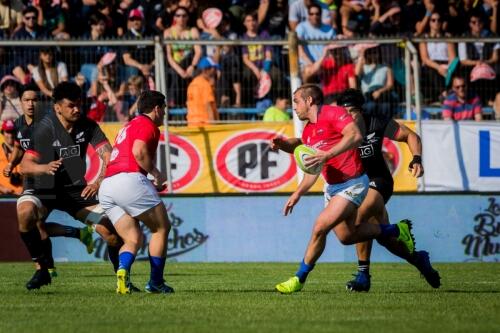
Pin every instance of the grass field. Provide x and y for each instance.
(237, 297)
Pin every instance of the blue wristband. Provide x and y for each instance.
(267, 65)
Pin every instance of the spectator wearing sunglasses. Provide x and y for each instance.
(462, 104)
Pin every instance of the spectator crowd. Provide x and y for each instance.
(255, 75)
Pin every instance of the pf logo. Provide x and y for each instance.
(392, 155)
(185, 160)
(245, 162)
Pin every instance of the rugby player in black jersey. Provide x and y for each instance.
(23, 128)
(56, 159)
(372, 209)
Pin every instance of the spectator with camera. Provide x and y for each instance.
(11, 184)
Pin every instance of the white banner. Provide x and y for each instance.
(461, 156)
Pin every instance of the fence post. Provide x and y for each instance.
(295, 82)
(408, 81)
(161, 86)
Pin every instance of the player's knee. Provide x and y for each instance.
(346, 238)
(26, 217)
(319, 231)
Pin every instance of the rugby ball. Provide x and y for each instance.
(300, 153)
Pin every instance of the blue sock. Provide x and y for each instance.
(126, 261)
(157, 266)
(304, 270)
(389, 230)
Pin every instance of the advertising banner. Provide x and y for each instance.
(461, 156)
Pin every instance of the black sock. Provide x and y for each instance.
(364, 266)
(47, 252)
(34, 245)
(59, 230)
(113, 254)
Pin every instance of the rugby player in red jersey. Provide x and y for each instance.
(334, 134)
(128, 197)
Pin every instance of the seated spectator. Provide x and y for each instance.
(436, 57)
(10, 103)
(135, 85)
(312, 29)
(103, 97)
(201, 101)
(357, 10)
(166, 17)
(11, 17)
(424, 16)
(138, 59)
(377, 82)
(473, 54)
(298, 12)
(386, 18)
(13, 184)
(51, 18)
(411, 12)
(462, 104)
(336, 72)
(27, 56)
(116, 22)
(182, 58)
(272, 17)
(277, 112)
(49, 73)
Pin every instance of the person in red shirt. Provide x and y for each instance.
(127, 196)
(335, 136)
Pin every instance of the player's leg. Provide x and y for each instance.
(84, 235)
(156, 219)
(30, 210)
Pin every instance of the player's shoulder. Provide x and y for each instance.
(335, 112)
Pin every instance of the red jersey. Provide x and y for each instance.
(335, 79)
(326, 133)
(122, 160)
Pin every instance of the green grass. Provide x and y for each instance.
(239, 297)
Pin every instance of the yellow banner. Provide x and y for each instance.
(235, 158)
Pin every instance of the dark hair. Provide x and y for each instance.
(30, 9)
(351, 97)
(311, 90)
(28, 87)
(66, 90)
(314, 5)
(148, 100)
(96, 18)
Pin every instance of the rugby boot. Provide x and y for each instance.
(290, 286)
(405, 235)
(162, 288)
(133, 288)
(122, 282)
(361, 282)
(423, 264)
(86, 238)
(53, 272)
(39, 279)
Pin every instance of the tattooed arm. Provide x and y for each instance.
(104, 152)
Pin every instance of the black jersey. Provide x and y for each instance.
(51, 141)
(24, 132)
(371, 149)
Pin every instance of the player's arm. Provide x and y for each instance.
(351, 138)
(15, 159)
(401, 133)
(287, 145)
(30, 165)
(146, 162)
(305, 185)
(104, 152)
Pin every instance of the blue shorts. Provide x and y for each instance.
(354, 190)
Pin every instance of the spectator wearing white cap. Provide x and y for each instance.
(10, 104)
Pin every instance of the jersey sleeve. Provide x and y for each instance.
(41, 143)
(145, 133)
(98, 137)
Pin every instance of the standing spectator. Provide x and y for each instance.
(201, 106)
(11, 17)
(312, 29)
(49, 73)
(13, 183)
(462, 104)
(182, 58)
(377, 82)
(27, 56)
(436, 58)
(277, 112)
(298, 12)
(474, 54)
(10, 103)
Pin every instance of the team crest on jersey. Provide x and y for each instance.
(371, 138)
(56, 144)
(25, 143)
(69, 151)
(80, 137)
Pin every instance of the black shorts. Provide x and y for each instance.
(384, 186)
(68, 200)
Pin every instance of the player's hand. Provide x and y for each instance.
(276, 143)
(52, 167)
(159, 182)
(292, 201)
(417, 170)
(89, 191)
(320, 157)
(7, 170)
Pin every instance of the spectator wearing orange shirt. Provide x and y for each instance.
(13, 183)
(201, 106)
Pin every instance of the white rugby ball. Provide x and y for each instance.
(300, 153)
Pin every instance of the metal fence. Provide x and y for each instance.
(111, 81)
